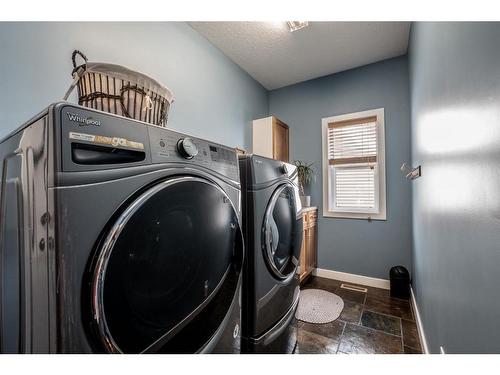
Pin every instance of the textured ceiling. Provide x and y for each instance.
(276, 57)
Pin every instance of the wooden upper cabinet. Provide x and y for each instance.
(280, 140)
(270, 138)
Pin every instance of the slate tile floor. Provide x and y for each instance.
(371, 322)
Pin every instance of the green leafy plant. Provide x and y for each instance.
(305, 174)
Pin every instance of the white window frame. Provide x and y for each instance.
(379, 212)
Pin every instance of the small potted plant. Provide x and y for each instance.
(306, 175)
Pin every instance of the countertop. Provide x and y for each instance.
(307, 209)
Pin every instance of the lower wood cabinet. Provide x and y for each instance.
(309, 250)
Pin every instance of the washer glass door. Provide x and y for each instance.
(282, 232)
(173, 251)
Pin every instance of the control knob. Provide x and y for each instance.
(283, 169)
(187, 148)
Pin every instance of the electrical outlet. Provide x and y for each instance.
(441, 350)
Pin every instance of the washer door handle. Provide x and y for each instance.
(273, 235)
(269, 240)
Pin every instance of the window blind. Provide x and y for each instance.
(352, 154)
(354, 187)
(353, 141)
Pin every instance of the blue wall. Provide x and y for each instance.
(215, 98)
(455, 124)
(349, 245)
(455, 135)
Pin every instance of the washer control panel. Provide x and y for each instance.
(169, 146)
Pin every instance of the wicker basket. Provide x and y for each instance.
(119, 90)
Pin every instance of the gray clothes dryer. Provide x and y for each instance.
(272, 226)
(117, 236)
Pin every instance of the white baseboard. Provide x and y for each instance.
(352, 278)
(420, 327)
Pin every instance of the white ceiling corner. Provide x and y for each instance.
(275, 57)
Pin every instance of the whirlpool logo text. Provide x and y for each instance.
(83, 121)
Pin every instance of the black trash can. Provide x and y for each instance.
(400, 282)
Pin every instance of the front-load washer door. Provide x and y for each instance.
(167, 271)
(282, 232)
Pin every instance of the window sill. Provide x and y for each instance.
(352, 215)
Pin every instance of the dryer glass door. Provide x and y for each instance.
(173, 253)
(282, 232)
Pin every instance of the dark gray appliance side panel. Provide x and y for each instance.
(26, 152)
(83, 212)
(11, 257)
(52, 150)
(33, 147)
(12, 165)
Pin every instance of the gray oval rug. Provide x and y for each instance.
(318, 306)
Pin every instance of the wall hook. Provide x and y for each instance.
(411, 173)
